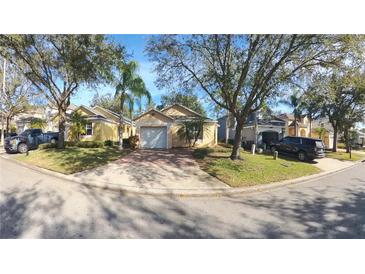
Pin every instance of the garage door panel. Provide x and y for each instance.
(153, 137)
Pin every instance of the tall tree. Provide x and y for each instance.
(58, 65)
(38, 123)
(188, 100)
(129, 86)
(107, 101)
(16, 94)
(295, 102)
(311, 107)
(78, 126)
(342, 97)
(239, 72)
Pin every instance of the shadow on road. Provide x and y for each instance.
(36, 212)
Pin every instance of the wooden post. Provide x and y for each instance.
(253, 148)
(276, 154)
(350, 151)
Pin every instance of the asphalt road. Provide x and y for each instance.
(34, 205)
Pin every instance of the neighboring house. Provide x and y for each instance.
(303, 126)
(159, 129)
(327, 135)
(258, 129)
(271, 128)
(360, 138)
(47, 113)
(102, 124)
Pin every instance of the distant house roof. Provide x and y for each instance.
(114, 114)
(94, 113)
(269, 120)
(298, 124)
(177, 118)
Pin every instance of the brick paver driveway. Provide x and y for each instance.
(174, 168)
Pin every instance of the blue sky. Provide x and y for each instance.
(135, 45)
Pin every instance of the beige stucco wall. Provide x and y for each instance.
(209, 136)
(103, 131)
(178, 111)
(152, 119)
(327, 138)
(155, 119)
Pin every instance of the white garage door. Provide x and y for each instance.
(153, 137)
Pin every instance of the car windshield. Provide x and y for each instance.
(25, 133)
(319, 144)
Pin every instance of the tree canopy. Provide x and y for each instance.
(341, 96)
(189, 100)
(17, 95)
(107, 101)
(129, 88)
(58, 65)
(240, 72)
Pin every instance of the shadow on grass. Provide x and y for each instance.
(74, 159)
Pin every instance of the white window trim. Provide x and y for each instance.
(92, 130)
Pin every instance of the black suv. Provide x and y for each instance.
(301, 147)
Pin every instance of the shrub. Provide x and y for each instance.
(108, 143)
(126, 143)
(90, 144)
(341, 145)
(201, 153)
(47, 145)
(133, 141)
(71, 144)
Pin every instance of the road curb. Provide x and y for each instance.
(184, 192)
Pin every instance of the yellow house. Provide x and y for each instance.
(159, 129)
(102, 124)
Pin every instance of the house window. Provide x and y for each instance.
(88, 129)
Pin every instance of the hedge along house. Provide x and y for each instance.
(102, 124)
(160, 129)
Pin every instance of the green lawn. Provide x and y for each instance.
(252, 170)
(343, 156)
(71, 159)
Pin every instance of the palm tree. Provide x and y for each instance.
(78, 126)
(311, 106)
(295, 103)
(130, 86)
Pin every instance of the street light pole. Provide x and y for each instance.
(2, 102)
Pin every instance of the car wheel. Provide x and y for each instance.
(302, 156)
(23, 148)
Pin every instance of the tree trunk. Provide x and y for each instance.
(237, 141)
(310, 127)
(347, 141)
(7, 124)
(121, 124)
(2, 130)
(334, 148)
(61, 127)
(295, 127)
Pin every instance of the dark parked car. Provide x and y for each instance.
(29, 139)
(301, 147)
